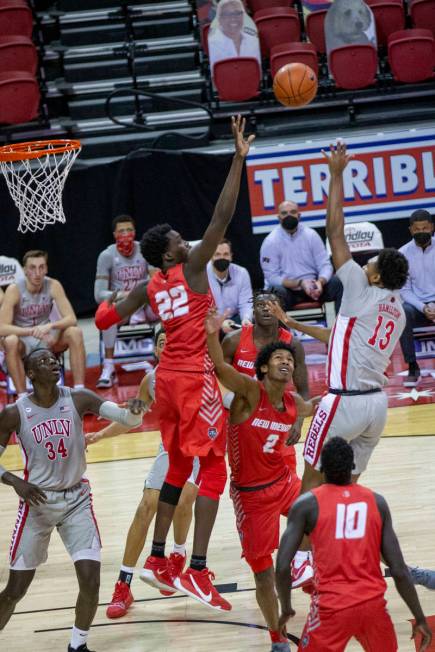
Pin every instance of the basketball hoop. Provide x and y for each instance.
(35, 173)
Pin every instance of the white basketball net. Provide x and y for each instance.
(36, 187)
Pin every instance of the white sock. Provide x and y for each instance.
(21, 394)
(127, 569)
(300, 557)
(79, 386)
(78, 637)
(108, 362)
(180, 548)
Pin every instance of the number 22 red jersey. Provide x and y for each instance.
(255, 446)
(346, 545)
(182, 312)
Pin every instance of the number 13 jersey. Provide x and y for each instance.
(366, 331)
(182, 312)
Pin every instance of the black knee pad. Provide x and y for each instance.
(170, 494)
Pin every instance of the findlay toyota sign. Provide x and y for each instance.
(390, 175)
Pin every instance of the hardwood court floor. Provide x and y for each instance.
(401, 469)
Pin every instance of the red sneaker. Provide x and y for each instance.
(122, 599)
(176, 563)
(197, 584)
(157, 573)
(302, 575)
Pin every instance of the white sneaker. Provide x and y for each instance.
(107, 377)
(302, 575)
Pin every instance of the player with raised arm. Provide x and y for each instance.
(192, 420)
(122, 597)
(262, 486)
(366, 331)
(350, 528)
(54, 492)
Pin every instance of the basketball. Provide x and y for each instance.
(295, 84)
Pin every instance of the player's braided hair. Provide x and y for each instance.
(265, 353)
(393, 268)
(154, 243)
(336, 461)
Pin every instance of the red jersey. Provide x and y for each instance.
(255, 446)
(246, 353)
(346, 547)
(182, 312)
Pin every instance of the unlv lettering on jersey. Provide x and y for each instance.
(51, 428)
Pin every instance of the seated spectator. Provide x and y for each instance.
(120, 267)
(231, 286)
(418, 292)
(232, 34)
(25, 321)
(295, 262)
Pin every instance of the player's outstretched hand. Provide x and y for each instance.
(30, 493)
(338, 157)
(275, 309)
(241, 143)
(284, 618)
(213, 322)
(93, 437)
(426, 635)
(136, 406)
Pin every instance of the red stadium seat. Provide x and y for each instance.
(275, 29)
(389, 18)
(423, 14)
(273, 11)
(237, 79)
(370, 3)
(257, 5)
(204, 37)
(291, 53)
(315, 26)
(411, 55)
(15, 20)
(353, 66)
(19, 97)
(17, 53)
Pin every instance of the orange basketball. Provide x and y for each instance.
(295, 84)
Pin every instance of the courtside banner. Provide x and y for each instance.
(391, 175)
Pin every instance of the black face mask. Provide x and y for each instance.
(289, 223)
(422, 238)
(221, 264)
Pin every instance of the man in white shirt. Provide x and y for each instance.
(230, 285)
(418, 293)
(295, 262)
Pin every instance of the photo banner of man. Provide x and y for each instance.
(349, 22)
(232, 33)
(205, 11)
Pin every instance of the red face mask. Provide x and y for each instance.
(125, 243)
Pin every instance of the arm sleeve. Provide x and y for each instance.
(355, 286)
(320, 257)
(101, 290)
(245, 295)
(270, 260)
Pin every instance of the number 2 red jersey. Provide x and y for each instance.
(182, 312)
(346, 544)
(255, 446)
(246, 353)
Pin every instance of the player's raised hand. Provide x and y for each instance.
(338, 157)
(136, 406)
(276, 310)
(241, 143)
(93, 437)
(423, 630)
(213, 322)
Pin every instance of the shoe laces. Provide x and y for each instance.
(120, 592)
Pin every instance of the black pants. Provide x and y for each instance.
(332, 291)
(414, 319)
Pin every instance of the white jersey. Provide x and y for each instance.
(33, 308)
(52, 442)
(366, 331)
(124, 272)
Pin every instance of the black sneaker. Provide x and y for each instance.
(413, 377)
(81, 648)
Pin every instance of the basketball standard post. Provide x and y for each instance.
(35, 174)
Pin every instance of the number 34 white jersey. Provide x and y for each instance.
(366, 331)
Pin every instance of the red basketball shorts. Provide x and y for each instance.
(191, 414)
(369, 622)
(258, 514)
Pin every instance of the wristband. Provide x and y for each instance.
(228, 399)
(106, 316)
